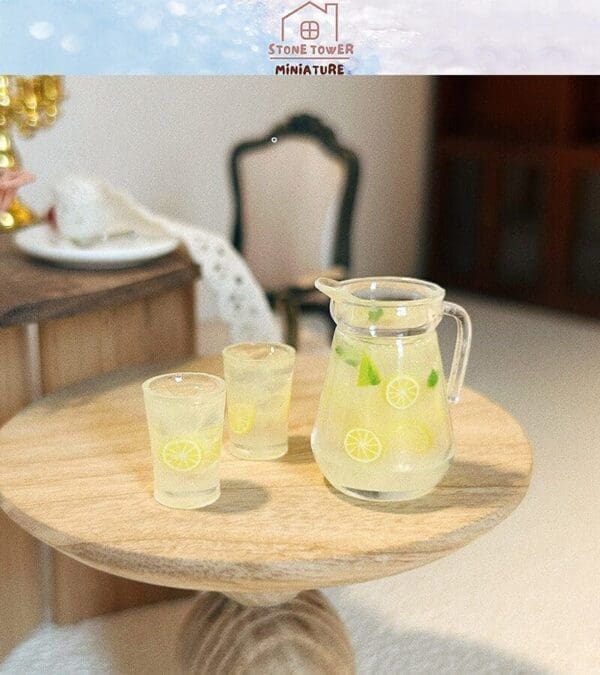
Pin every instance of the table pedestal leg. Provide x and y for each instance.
(266, 633)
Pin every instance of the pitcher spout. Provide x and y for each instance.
(330, 287)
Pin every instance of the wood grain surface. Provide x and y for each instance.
(148, 330)
(76, 473)
(32, 291)
(14, 372)
(21, 597)
(20, 568)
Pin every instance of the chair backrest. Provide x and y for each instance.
(294, 192)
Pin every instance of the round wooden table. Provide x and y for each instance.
(76, 473)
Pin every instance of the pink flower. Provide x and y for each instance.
(10, 181)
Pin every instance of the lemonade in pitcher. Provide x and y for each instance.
(383, 428)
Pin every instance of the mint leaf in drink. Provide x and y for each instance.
(349, 355)
(367, 373)
(433, 378)
(375, 314)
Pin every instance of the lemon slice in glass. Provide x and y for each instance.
(209, 440)
(362, 445)
(402, 392)
(181, 454)
(241, 417)
(413, 436)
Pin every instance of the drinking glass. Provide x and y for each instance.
(185, 414)
(258, 377)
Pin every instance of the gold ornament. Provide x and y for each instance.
(28, 104)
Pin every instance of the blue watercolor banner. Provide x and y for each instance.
(131, 36)
(233, 36)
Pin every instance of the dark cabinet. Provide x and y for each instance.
(516, 189)
(585, 269)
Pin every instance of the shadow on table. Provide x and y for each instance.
(299, 451)
(486, 481)
(238, 496)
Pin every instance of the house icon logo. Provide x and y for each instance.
(311, 21)
(310, 43)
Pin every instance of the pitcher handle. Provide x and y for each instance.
(461, 349)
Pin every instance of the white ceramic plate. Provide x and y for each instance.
(41, 241)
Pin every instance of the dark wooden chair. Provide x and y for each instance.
(294, 192)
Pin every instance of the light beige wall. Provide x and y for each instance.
(166, 140)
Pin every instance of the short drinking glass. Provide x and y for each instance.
(259, 384)
(185, 413)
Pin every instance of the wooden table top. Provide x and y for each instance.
(76, 473)
(32, 290)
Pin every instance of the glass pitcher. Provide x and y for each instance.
(383, 430)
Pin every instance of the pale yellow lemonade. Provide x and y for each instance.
(259, 384)
(185, 424)
(383, 424)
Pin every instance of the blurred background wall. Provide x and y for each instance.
(166, 140)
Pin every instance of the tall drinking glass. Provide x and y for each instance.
(259, 384)
(185, 413)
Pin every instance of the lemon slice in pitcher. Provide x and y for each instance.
(414, 436)
(362, 445)
(402, 392)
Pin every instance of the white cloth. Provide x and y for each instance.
(228, 291)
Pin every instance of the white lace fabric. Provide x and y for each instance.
(228, 291)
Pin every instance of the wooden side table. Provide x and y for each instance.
(88, 323)
(77, 474)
